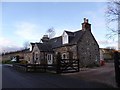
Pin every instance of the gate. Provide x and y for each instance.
(68, 66)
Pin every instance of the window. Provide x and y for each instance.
(49, 58)
(30, 47)
(36, 55)
(65, 38)
(64, 56)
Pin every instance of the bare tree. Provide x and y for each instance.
(51, 32)
(26, 45)
(113, 15)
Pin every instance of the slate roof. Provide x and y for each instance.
(77, 36)
(70, 33)
(45, 47)
(56, 42)
(32, 44)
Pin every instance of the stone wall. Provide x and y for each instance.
(28, 57)
(9, 56)
(35, 55)
(42, 56)
(88, 50)
(67, 49)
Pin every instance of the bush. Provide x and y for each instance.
(23, 62)
(7, 62)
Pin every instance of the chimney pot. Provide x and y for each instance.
(86, 25)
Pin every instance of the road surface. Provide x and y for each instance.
(104, 74)
(12, 78)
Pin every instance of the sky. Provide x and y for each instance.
(28, 21)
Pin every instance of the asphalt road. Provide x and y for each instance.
(12, 78)
(104, 74)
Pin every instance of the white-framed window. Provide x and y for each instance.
(65, 38)
(64, 56)
(49, 59)
(30, 46)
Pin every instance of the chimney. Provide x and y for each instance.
(86, 25)
(45, 38)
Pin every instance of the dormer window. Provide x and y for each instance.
(65, 38)
(30, 47)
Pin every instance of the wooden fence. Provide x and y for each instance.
(62, 66)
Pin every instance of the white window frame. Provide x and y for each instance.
(30, 47)
(49, 59)
(66, 56)
(65, 38)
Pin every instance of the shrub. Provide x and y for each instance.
(23, 62)
(7, 62)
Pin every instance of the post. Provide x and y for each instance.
(78, 65)
(17, 59)
(58, 63)
(117, 67)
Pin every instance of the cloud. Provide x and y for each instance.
(7, 45)
(28, 31)
(106, 43)
(23, 31)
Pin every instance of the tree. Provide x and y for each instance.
(26, 45)
(113, 16)
(51, 32)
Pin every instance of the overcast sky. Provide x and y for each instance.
(28, 21)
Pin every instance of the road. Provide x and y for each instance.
(12, 78)
(104, 74)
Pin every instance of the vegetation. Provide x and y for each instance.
(51, 32)
(7, 62)
(112, 16)
(11, 62)
(23, 62)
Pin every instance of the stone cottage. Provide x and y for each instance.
(80, 45)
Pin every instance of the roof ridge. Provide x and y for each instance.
(55, 37)
(69, 31)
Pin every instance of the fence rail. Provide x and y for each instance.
(34, 67)
(63, 66)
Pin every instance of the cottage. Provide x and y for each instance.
(80, 45)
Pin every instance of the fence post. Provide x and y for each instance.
(58, 63)
(78, 65)
(26, 67)
(117, 67)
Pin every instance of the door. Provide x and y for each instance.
(49, 59)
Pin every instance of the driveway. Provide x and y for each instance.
(104, 74)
